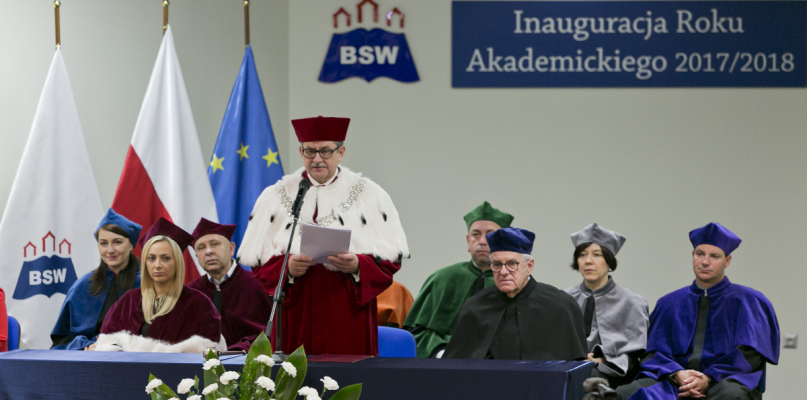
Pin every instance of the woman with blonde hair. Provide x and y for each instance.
(164, 315)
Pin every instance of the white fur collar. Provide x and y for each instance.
(372, 218)
(126, 341)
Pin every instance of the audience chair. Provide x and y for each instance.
(13, 333)
(395, 343)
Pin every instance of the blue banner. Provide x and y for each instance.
(368, 55)
(629, 44)
(245, 159)
(46, 275)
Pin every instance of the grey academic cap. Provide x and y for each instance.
(603, 237)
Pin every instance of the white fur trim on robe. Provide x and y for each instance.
(267, 234)
(126, 341)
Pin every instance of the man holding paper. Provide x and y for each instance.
(330, 308)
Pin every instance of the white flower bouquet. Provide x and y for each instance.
(254, 382)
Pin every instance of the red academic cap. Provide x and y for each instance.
(167, 228)
(206, 227)
(321, 129)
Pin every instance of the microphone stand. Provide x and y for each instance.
(277, 300)
(279, 356)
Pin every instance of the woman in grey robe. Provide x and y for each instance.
(615, 318)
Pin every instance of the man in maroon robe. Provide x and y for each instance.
(330, 308)
(239, 297)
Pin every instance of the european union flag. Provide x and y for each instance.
(245, 159)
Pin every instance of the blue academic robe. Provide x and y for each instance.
(738, 316)
(78, 317)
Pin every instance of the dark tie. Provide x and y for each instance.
(112, 295)
(511, 341)
(217, 300)
(588, 316)
(700, 332)
(479, 284)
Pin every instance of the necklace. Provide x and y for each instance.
(343, 206)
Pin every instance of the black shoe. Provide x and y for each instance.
(598, 387)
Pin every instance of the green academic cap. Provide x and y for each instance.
(486, 212)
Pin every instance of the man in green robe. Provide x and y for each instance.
(432, 316)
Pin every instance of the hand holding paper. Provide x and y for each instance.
(319, 242)
(347, 263)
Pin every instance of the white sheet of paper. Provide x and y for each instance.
(320, 242)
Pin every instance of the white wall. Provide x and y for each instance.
(651, 164)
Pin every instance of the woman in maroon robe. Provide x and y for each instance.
(163, 308)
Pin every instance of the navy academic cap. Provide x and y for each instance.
(716, 235)
(511, 239)
(112, 218)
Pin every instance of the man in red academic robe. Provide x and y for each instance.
(239, 297)
(329, 308)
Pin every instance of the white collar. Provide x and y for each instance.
(229, 273)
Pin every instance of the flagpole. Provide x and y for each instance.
(56, 5)
(246, 23)
(165, 16)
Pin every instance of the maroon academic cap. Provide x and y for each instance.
(206, 227)
(321, 129)
(165, 227)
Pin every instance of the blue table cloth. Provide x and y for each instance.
(60, 374)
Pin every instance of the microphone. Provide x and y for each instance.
(305, 184)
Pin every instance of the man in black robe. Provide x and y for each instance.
(519, 318)
(239, 298)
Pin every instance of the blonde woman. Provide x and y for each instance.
(163, 315)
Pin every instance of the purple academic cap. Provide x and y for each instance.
(511, 239)
(207, 227)
(165, 227)
(716, 235)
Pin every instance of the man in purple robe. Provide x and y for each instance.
(709, 340)
(239, 297)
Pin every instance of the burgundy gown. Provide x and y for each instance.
(194, 314)
(245, 307)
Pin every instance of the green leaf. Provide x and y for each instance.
(351, 392)
(212, 375)
(252, 369)
(261, 345)
(161, 392)
(286, 385)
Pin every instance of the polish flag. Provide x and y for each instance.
(165, 174)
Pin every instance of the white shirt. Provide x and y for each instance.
(224, 278)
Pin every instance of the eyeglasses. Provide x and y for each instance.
(511, 265)
(324, 153)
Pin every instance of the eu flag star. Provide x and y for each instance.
(216, 163)
(270, 157)
(243, 152)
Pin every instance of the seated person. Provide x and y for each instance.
(518, 319)
(393, 305)
(435, 310)
(239, 298)
(3, 322)
(163, 315)
(90, 298)
(615, 318)
(711, 339)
